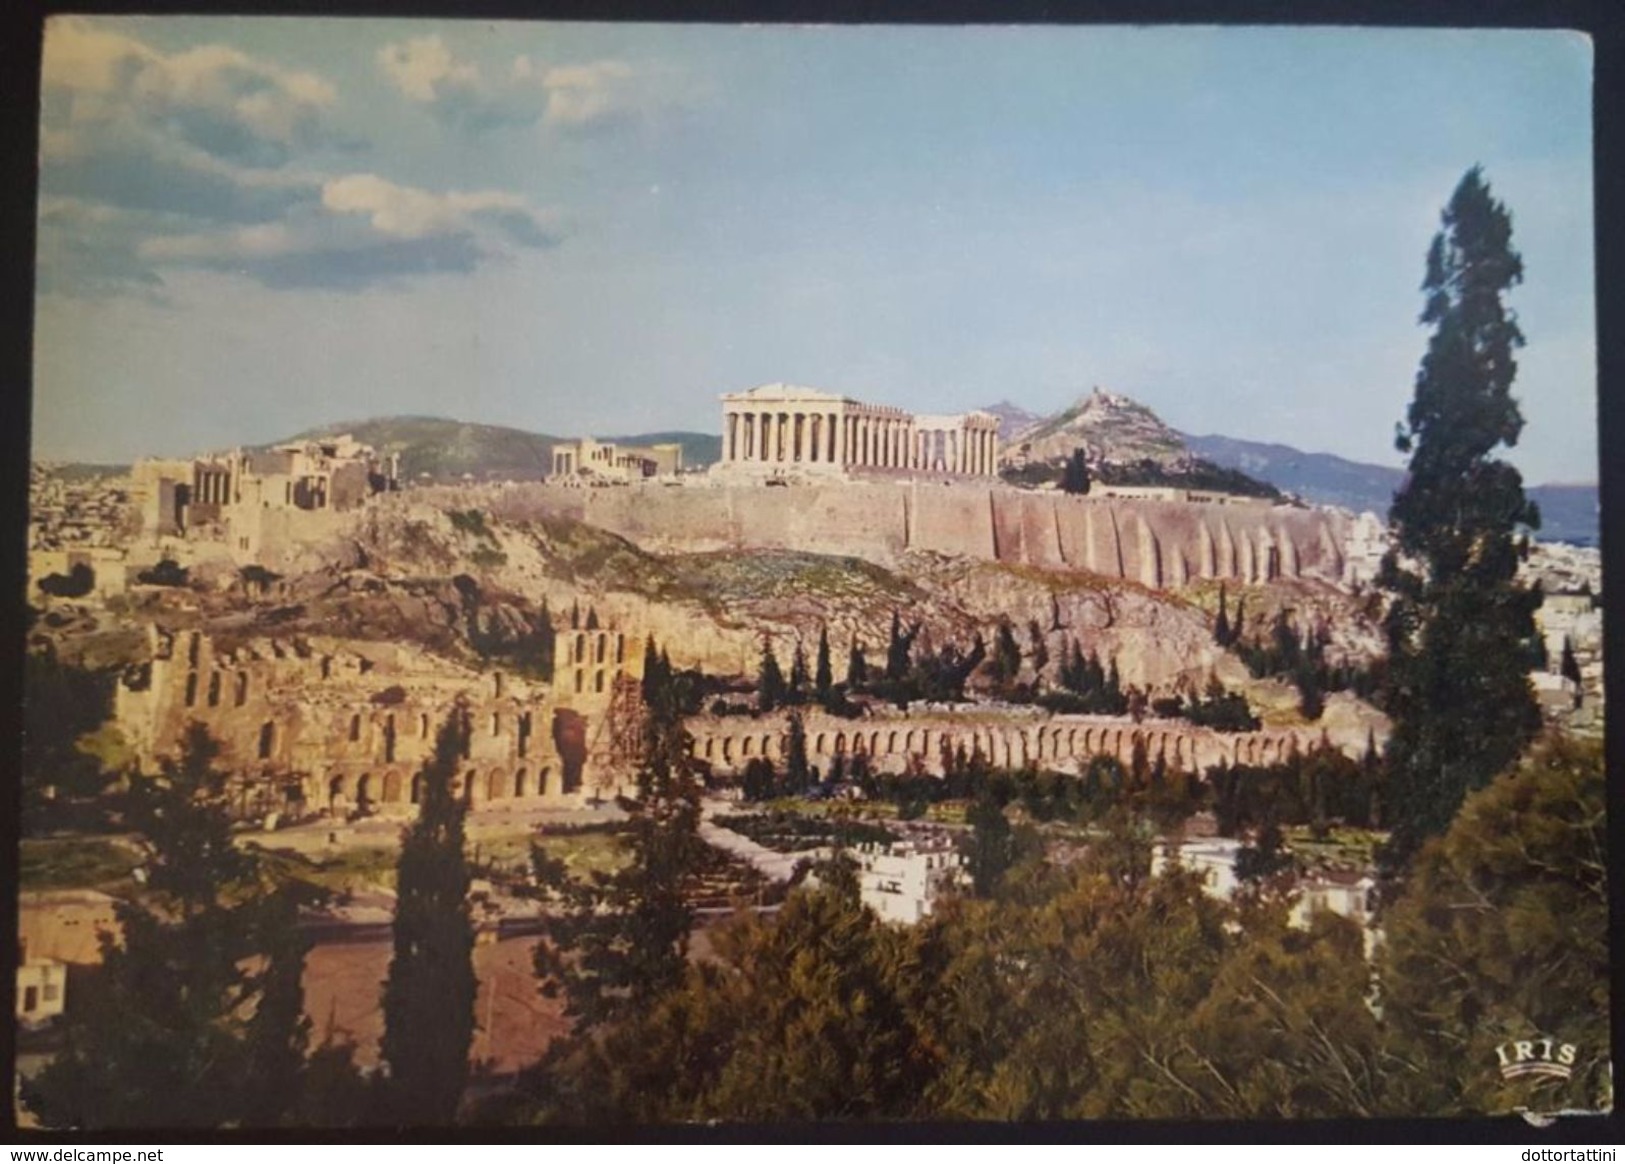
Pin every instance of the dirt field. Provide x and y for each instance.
(344, 987)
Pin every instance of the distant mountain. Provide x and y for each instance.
(1109, 427)
(1569, 513)
(1318, 477)
(441, 448)
(1012, 419)
(699, 448)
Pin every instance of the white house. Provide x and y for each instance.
(903, 881)
(1211, 858)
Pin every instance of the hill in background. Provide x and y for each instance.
(1569, 513)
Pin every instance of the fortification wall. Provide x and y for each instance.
(1062, 742)
(1155, 543)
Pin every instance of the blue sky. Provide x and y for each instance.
(252, 226)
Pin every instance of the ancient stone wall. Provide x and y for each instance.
(330, 725)
(1061, 742)
(1158, 544)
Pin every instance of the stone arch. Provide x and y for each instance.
(727, 749)
(767, 744)
(908, 741)
(1072, 741)
(496, 785)
(747, 746)
(840, 743)
(392, 787)
(891, 743)
(521, 784)
(364, 789)
(543, 779)
(416, 788)
(710, 746)
(337, 799)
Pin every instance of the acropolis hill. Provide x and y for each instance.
(326, 603)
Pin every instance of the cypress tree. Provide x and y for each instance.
(769, 680)
(796, 772)
(1221, 625)
(798, 675)
(857, 669)
(1458, 693)
(429, 995)
(823, 678)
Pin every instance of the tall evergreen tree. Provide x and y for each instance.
(857, 668)
(770, 690)
(796, 772)
(1075, 477)
(196, 1018)
(1221, 625)
(1459, 618)
(823, 678)
(429, 995)
(798, 675)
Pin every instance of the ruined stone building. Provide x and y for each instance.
(780, 430)
(259, 499)
(587, 460)
(311, 725)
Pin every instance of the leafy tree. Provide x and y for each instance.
(1458, 692)
(428, 1000)
(1502, 934)
(770, 686)
(1075, 477)
(194, 1021)
(823, 678)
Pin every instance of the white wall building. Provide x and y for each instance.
(42, 991)
(902, 882)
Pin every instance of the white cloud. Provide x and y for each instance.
(590, 94)
(423, 69)
(213, 98)
(570, 97)
(366, 230)
(407, 212)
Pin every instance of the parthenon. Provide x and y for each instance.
(778, 429)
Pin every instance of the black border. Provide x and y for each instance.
(21, 27)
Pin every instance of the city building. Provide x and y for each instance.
(782, 431)
(902, 882)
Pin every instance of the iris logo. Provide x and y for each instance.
(1536, 1059)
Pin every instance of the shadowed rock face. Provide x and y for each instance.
(1157, 544)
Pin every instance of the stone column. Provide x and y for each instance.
(728, 436)
(829, 439)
